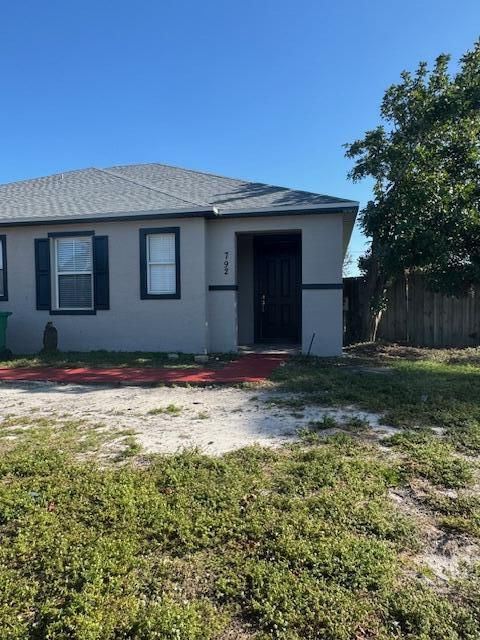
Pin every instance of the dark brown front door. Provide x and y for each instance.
(277, 288)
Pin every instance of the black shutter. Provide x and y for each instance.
(101, 272)
(42, 273)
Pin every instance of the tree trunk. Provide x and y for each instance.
(375, 289)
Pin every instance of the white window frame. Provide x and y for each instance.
(146, 292)
(153, 263)
(58, 273)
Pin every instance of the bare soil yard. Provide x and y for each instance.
(167, 419)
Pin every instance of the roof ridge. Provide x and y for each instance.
(148, 186)
(204, 173)
(243, 180)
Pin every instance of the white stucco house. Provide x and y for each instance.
(156, 258)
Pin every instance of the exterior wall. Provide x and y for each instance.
(245, 312)
(322, 316)
(322, 257)
(222, 321)
(131, 323)
(202, 319)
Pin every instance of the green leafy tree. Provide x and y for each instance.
(425, 163)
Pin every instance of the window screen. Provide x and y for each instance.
(161, 264)
(74, 271)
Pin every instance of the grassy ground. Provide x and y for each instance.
(409, 387)
(302, 542)
(298, 543)
(100, 359)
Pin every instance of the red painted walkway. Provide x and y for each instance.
(249, 368)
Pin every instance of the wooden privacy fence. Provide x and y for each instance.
(416, 315)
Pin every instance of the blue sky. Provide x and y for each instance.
(267, 90)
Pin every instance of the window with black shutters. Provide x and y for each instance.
(72, 273)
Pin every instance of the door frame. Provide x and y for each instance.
(293, 236)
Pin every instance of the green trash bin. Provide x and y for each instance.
(3, 330)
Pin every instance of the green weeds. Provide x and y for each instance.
(171, 410)
(431, 389)
(74, 359)
(465, 436)
(431, 458)
(460, 513)
(65, 435)
(327, 422)
(301, 542)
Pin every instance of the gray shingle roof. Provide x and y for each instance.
(143, 187)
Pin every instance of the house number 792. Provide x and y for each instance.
(226, 263)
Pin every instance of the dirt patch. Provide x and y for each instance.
(444, 553)
(383, 352)
(166, 419)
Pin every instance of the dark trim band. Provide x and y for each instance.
(73, 312)
(294, 212)
(209, 214)
(223, 287)
(323, 286)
